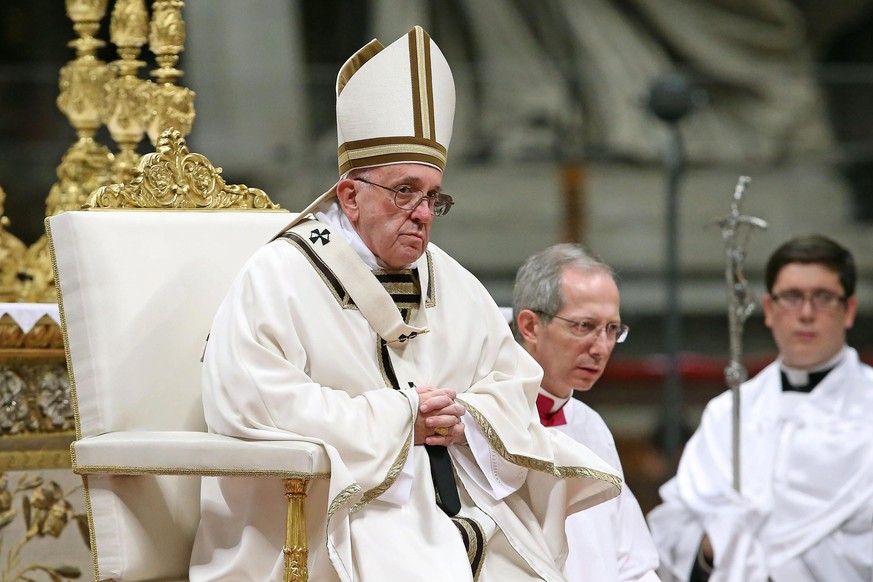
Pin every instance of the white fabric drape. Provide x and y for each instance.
(806, 506)
(610, 542)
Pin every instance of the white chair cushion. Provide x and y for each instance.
(184, 453)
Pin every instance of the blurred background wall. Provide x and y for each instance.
(555, 139)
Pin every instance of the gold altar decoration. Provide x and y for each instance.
(87, 164)
(173, 177)
(44, 335)
(12, 252)
(46, 510)
(124, 109)
(36, 411)
(171, 106)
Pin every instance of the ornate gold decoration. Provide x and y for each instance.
(86, 165)
(167, 38)
(126, 100)
(11, 258)
(36, 459)
(173, 177)
(11, 335)
(46, 334)
(46, 511)
(171, 106)
(35, 401)
(82, 83)
(296, 550)
(38, 285)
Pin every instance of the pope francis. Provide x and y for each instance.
(353, 331)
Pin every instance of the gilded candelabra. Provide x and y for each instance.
(127, 96)
(86, 165)
(171, 106)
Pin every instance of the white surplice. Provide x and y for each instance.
(609, 542)
(289, 355)
(805, 510)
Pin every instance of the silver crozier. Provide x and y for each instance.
(736, 229)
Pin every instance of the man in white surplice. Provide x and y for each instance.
(352, 331)
(566, 309)
(805, 505)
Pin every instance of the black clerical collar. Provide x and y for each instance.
(812, 380)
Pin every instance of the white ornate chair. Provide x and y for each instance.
(138, 289)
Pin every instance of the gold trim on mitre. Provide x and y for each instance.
(391, 150)
(422, 83)
(355, 62)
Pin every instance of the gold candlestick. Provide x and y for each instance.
(126, 99)
(171, 106)
(86, 165)
(11, 258)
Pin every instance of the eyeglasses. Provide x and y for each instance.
(820, 299)
(616, 333)
(408, 198)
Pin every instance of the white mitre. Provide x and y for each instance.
(394, 105)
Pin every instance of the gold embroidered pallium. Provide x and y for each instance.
(173, 177)
(47, 511)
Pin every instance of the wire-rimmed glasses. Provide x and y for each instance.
(615, 332)
(408, 198)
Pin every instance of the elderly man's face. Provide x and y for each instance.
(806, 336)
(398, 237)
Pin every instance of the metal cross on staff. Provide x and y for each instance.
(736, 230)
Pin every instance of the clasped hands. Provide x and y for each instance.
(439, 417)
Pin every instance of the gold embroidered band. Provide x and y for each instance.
(387, 150)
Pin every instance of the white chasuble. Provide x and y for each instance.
(291, 354)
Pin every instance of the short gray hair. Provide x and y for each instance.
(538, 281)
(358, 173)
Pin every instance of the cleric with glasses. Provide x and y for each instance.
(802, 511)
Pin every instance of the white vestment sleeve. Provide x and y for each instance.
(401, 490)
(492, 473)
(676, 532)
(636, 553)
(738, 554)
(609, 542)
